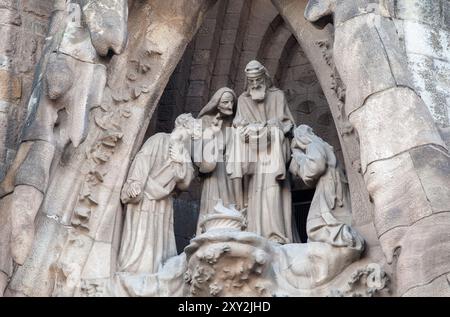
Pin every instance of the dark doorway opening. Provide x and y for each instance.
(301, 201)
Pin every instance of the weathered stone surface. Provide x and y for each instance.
(6, 261)
(41, 8)
(9, 4)
(34, 170)
(430, 77)
(68, 267)
(346, 9)
(309, 37)
(442, 69)
(427, 40)
(432, 166)
(76, 42)
(399, 202)
(435, 288)
(9, 17)
(98, 264)
(445, 12)
(417, 10)
(426, 243)
(35, 278)
(107, 22)
(10, 86)
(396, 118)
(378, 58)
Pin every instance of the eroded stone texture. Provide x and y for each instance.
(378, 62)
(401, 202)
(375, 125)
(107, 22)
(426, 34)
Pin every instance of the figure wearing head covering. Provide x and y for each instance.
(329, 216)
(161, 167)
(260, 152)
(212, 152)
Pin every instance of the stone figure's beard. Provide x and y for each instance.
(258, 93)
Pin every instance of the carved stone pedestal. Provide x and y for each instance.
(229, 263)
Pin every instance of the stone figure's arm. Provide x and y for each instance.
(288, 121)
(186, 176)
(285, 122)
(133, 189)
(180, 166)
(309, 165)
(207, 158)
(207, 149)
(132, 192)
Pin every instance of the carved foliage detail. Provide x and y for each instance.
(139, 65)
(110, 121)
(227, 269)
(370, 281)
(337, 86)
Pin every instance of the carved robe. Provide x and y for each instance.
(148, 238)
(268, 188)
(330, 208)
(211, 159)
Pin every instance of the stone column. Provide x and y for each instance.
(403, 158)
(405, 162)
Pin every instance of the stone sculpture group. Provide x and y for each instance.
(75, 173)
(242, 148)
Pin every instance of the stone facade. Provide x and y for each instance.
(370, 77)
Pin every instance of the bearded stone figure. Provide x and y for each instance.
(259, 155)
(162, 166)
(211, 154)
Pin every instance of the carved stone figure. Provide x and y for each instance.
(260, 152)
(162, 166)
(217, 117)
(315, 163)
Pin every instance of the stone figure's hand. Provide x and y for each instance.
(215, 128)
(244, 131)
(134, 190)
(216, 125)
(176, 153)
